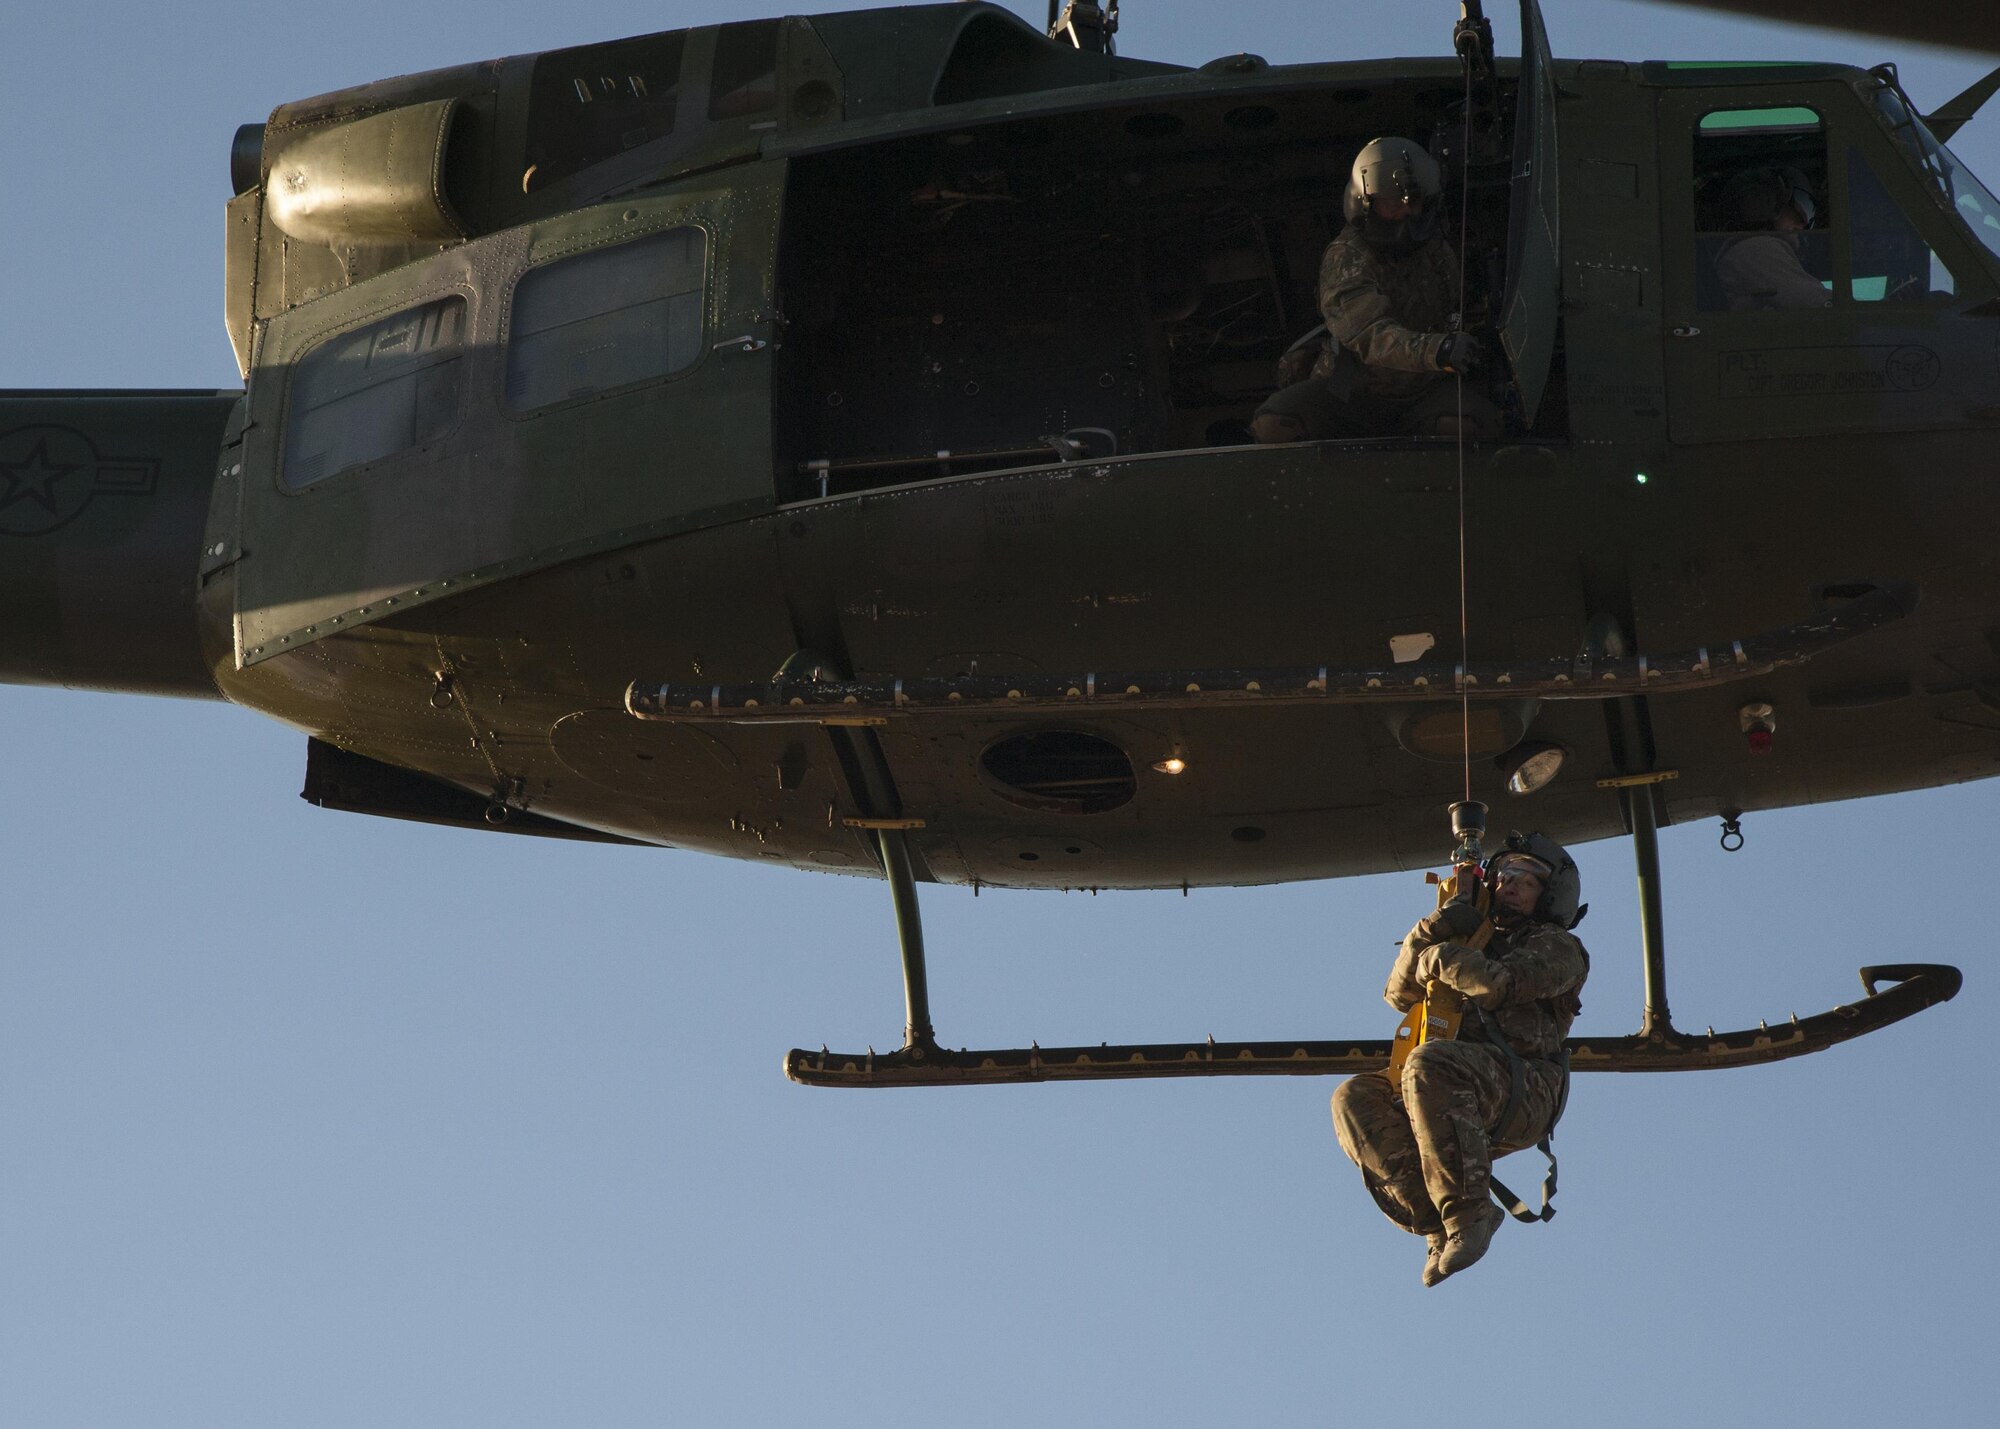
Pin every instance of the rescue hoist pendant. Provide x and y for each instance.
(1437, 1017)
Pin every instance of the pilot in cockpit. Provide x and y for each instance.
(1760, 267)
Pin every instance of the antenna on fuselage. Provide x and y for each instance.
(1087, 24)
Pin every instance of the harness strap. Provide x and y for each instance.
(1509, 1202)
(1514, 1206)
(1494, 1037)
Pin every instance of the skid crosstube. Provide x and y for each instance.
(1917, 986)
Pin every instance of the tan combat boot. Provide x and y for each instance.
(1436, 1241)
(1466, 1238)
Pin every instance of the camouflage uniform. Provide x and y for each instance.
(1386, 317)
(1763, 270)
(1425, 1147)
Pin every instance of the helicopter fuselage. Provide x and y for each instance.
(671, 359)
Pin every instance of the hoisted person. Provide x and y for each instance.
(1425, 1141)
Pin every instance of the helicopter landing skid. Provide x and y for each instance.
(1917, 986)
(1657, 1047)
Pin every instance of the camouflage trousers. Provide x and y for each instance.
(1426, 1147)
(1332, 409)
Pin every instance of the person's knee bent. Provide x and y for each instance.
(1272, 427)
(1434, 1066)
(1346, 1124)
(1359, 1104)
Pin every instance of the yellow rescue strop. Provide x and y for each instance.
(1437, 1017)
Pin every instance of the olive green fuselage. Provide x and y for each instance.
(957, 387)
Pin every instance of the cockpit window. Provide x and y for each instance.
(1763, 218)
(375, 391)
(606, 319)
(1890, 260)
(1969, 199)
(1788, 120)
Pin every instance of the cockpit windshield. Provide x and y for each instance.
(1971, 200)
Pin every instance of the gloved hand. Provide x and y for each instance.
(1297, 364)
(1454, 923)
(1465, 972)
(1431, 964)
(1460, 353)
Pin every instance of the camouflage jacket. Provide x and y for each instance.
(1528, 980)
(1390, 313)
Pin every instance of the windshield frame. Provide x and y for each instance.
(1951, 183)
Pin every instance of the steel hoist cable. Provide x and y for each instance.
(1458, 377)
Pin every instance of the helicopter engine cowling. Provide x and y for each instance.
(378, 179)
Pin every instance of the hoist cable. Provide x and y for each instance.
(1464, 637)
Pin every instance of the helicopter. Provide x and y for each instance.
(574, 410)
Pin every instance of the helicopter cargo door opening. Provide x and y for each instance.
(572, 385)
(1817, 283)
(1101, 281)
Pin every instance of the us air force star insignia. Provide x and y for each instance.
(49, 474)
(34, 479)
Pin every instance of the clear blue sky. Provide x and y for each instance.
(314, 1120)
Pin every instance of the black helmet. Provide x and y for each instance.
(1562, 886)
(1393, 168)
(1755, 197)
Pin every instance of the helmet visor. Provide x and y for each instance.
(1510, 866)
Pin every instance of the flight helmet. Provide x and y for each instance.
(1394, 168)
(1562, 886)
(1756, 196)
